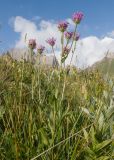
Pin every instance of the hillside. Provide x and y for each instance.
(106, 66)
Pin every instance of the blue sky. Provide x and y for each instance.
(98, 19)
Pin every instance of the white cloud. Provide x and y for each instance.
(44, 30)
(92, 49)
(89, 49)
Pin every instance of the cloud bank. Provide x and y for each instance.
(89, 49)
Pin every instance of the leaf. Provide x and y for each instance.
(110, 112)
(102, 145)
(2, 111)
(74, 151)
(103, 158)
(90, 152)
(63, 58)
(51, 128)
(85, 135)
(56, 93)
(101, 121)
(93, 139)
(105, 94)
(43, 136)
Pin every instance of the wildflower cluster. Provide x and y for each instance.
(33, 45)
(69, 36)
(73, 36)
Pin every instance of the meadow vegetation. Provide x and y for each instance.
(55, 113)
(71, 114)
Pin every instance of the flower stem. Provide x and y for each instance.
(54, 56)
(53, 51)
(72, 45)
(73, 53)
(62, 45)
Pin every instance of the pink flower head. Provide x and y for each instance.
(51, 41)
(68, 35)
(66, 51)
(40, 49)
(32, 43)
(62, 26)
(77, 17)
(76, 36)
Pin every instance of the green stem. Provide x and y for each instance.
(73, 38)
(62, 45)
(54, 56)
(72, 45)
(31, 55)
(73, 53)
(53, 51)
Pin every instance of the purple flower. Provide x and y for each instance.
(66, 51)
(51, 41)
(32, 43)
(62, 26)
(76, 36)
(40, 49)
(68, 35)
(77, 17)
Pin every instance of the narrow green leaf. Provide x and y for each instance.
(102, 145)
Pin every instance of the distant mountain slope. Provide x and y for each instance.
(106, 65)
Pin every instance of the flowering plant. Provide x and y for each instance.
(62, 26)
(66, 36)
(32, 43)
(51, 41)
(77, 17)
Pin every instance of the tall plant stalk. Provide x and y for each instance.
(72, 44)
